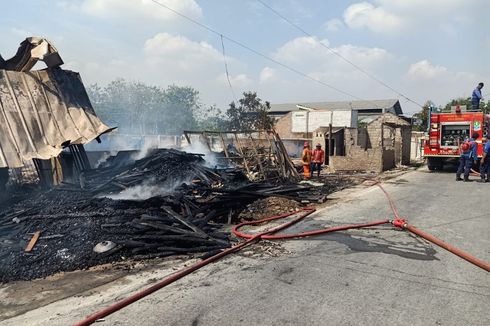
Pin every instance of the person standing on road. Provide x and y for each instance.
(476, 97)
(468, 156)
(306, 160)
(318, 159)
(485, 162)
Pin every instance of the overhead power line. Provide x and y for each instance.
(223, 36)
(368, 74)
(226, 68)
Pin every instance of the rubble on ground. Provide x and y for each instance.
(268, 207)
(168, 203)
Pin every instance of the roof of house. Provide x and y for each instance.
(389, 118)
(338, 105)
(327, 129)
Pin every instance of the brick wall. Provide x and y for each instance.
(358, 159)
(283, 127)
(376, 159)
(396, 134)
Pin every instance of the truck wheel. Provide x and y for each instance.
(434, 163)
(440, 166)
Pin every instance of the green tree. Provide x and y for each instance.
(182, 105)
(212, 119)
(458, 101)
(135, 107)
(249, 114)
(485, 107)
(422, 117)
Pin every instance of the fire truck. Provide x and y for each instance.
(448, 130)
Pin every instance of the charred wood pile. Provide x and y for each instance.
(261, 154)
(168, 203)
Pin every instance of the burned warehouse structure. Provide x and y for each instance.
(45, 117)
(134, 204)
(243, 163)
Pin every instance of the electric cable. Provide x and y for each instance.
(226, 68)
(368, 74)
(209, 29)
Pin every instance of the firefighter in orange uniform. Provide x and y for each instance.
(318, 157)
(306, 160)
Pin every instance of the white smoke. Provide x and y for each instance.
(198, 147)
(145, 149)
(149, 189)
(105, 156)
(140, 192)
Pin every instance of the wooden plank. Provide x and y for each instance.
(206, 139)
(230, 214)
(256, 153)
(187, 137)
(239, 148)
(224, 145)
(183, 221)
(284, 154)
(271, 149)
(33, 241)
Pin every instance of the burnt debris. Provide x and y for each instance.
(168, 203)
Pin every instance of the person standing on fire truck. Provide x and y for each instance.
(485, 162)
(476, 97)
(468, 156)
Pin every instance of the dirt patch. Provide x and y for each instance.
(268, 207)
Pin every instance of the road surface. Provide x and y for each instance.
(380, 276)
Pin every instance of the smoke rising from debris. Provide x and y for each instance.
(144, 151)
(198, 147)
(150, 189)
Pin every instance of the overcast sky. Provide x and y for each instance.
(437, 50)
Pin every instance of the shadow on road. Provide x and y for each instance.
(449, 167)
(381, 240)
(410, 248)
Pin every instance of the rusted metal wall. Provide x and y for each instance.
(41, 112)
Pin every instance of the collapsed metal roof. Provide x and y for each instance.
(43, 111)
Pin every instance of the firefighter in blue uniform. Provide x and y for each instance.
(476, 97)
(468, 156)
(485, 161)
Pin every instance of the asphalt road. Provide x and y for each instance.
(380, 276)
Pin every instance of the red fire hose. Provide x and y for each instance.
(302, 234)
(401, 223)
(270, 234)
(183, 272)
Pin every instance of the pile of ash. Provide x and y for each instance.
(168, 203)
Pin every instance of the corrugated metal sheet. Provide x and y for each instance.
(30, 51)
(41, 112)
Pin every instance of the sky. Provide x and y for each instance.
(425, 50)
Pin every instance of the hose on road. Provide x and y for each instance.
(402, 224)
(398, 222)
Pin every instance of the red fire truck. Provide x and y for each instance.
(448, 130)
